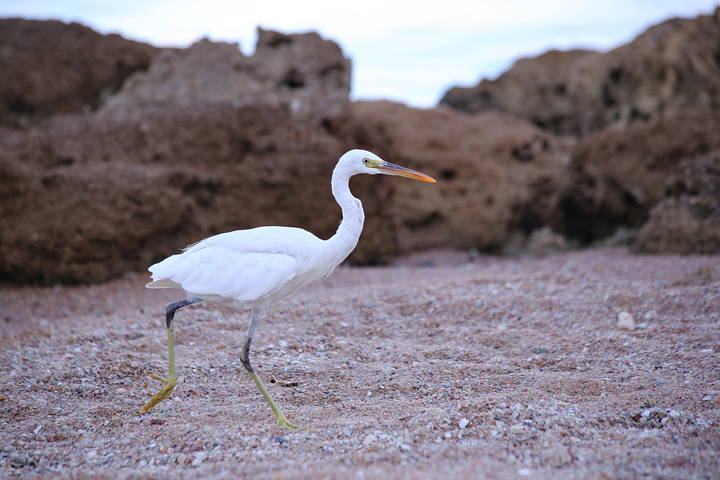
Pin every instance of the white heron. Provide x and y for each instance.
(250, 269)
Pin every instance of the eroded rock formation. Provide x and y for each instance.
(618, 175)
(88, 198)
(209, 140)
(303, 74)
(671, 67)
(49, 67)
(497, 173)
(687, 220)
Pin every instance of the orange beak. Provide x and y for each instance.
(392, 169)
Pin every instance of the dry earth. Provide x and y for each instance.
(432, 368)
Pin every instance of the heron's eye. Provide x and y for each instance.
(366, 161)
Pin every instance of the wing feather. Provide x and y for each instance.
(218, 271)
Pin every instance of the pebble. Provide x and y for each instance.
(540, 349)
(200, 457)
(625, 321)
(369, 440)
(651, 315)
(519, 429)
(20, 460)
(556, 457)
(463, 423)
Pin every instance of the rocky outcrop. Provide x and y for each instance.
(640, 110)
(687, 220)
(497, 173)
(550, 91)
(617, 175)
(303, 74)
(671, 67)
(49, 67)
(209, 140)
(89, 198)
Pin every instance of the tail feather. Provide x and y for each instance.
(160, 273)
(163, 283)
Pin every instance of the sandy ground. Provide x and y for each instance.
(433, 368)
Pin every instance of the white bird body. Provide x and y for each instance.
(250, 268)
(255, 267)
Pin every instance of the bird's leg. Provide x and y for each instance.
(245, 358)
(171, 380)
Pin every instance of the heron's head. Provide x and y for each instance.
(362, 161)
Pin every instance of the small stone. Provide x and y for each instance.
(651, 315)
(369, 440)
(19, 461)
(525, 472)
(556, 457)
(463, 423)
(199, 458)
(281, 440)
(626, 321)
(540, 349)
(447, 435)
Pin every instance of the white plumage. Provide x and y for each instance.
(256, 267)
(251, 268)
(245, 268)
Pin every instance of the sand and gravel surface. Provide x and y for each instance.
(435, 367)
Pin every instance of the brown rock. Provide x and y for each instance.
(688, 219)
(49, 67)
(87, 198)
(619, 175)
(550, 90)
(172, 159)
(671, 67)
(304, 74)
(496, 173)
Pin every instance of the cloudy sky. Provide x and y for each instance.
(401, 50)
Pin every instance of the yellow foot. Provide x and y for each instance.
(163, 394)
(284, 383)
(158, 377)
(283, 422)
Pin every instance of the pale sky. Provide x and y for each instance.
(404, 50)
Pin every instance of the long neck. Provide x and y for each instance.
(353, 217)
